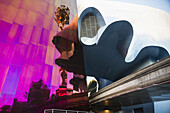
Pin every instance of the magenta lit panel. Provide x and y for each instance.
(6, 53)
(39, 20)
(27, 53)
(50, 55)
(12, 79)
(41, 54)
(3, 72)
(50, 11)
(44, 37)
(55, 81)
(26, 34)
(25, 78)
(14, 33)
(36, 34)
(20, 96)
(4, 28)
(20, 54)
(31, 54)
(53, 89)
(6, 99)
(21, 16)
(51, 35)
(5, 56)
(47, 75)
(38, 72)
(6, 2)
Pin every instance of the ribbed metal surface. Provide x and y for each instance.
(64, 111)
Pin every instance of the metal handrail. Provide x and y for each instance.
(53, 110)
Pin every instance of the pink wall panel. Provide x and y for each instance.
(55, 81)
(16, 3)
(47, 75)
(31, 5)
(6, 53)
(51, 35)
(43, 7)
(20, 54)
(6, 99)
(5, 27)
(31, 54)
(48, 1)
(12, 79)
(10, 14)
(36, 34)
(51, 2)
(14, 33)
(21, 16)
(20, 96)
(39, 20)
(26, 78)
(50, 11)
(26, 34)
(53, 89)
(2, 8)
(41, 54)
(50, 55)
(6, 2)
(30, 18)
(47, 22)
(3, 71)
(54, 26)
(44, 37)
(27, 53)
(38, 72)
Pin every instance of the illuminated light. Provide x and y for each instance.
(106, 102)
(106, 111)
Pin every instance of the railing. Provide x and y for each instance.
(64, 111)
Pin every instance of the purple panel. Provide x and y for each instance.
(14, 36)
(3, 73)
(44, 37)
(4, 30)
(38, 72)
(6, 99)
(22, 79)
(35, 37)
(6, 2)
(47, 75)
(39, 20)
(20, 54)
(25, 78)
(31, 54)
(40, 58)
(55, 76)
(53, 89)
(20, 96)
(6, 53)
(11, 81)
(26, 34)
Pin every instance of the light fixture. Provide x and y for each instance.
(106, 111)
